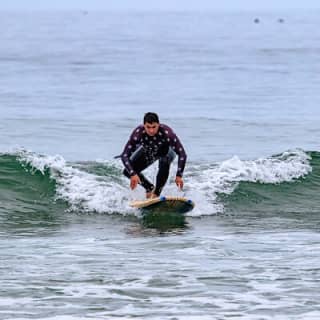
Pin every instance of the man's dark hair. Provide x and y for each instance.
(150, 117)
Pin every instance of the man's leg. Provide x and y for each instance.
(163, 173)
(139, 163)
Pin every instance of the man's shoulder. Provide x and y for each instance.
(137, 134)
(166, 130)
(139, 129)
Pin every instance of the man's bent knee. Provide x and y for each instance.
(168, 158)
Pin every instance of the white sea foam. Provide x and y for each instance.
(224, 177)
(91, 193)
(82, 190)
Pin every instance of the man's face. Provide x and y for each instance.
(151, 128)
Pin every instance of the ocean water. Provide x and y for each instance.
(242, 96)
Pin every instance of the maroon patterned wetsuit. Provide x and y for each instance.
(142, 150)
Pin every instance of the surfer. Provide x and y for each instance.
(148, 143)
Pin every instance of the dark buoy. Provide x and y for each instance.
(281, 20)
(256, 20)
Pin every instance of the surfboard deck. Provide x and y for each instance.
(164, 204)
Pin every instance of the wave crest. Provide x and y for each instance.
(100, 186)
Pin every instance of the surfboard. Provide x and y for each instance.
(164, 204)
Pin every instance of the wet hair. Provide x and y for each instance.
(150, 117)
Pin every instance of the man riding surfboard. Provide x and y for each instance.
(148, 143)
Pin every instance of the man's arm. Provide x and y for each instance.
(129, 148)
(177, 146)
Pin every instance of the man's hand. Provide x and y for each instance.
(134, 180)
(179, 182)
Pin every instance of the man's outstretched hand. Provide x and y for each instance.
(179, 182)
(134, 181)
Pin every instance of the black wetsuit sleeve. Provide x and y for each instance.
(129, 148)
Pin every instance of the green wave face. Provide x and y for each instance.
(37, 190)
(27, 196)
(296, 200)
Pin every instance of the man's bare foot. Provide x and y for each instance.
(151, 195)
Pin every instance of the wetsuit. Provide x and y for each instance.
(142, 150)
